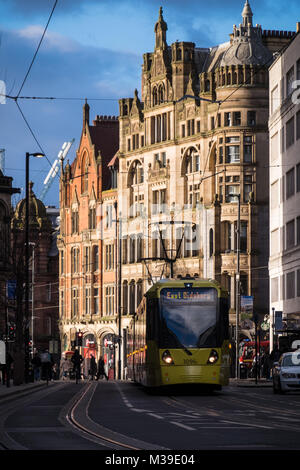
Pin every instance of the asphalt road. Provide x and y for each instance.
(120, 415)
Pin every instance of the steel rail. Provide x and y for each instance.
(74, 422)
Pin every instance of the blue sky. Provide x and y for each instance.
(94, 49)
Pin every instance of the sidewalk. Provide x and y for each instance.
(251, 383)
(23, 389)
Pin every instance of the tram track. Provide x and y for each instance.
(77, 417)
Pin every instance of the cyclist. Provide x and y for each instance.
(77, 360)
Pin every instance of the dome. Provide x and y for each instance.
(37, 213)
(246, 46)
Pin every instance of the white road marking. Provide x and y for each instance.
(155, 416)
(247, 425)
(183, 426)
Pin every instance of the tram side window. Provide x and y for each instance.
(152, 319)
(224, 312)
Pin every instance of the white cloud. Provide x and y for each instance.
(51, 40)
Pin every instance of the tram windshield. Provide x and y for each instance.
(188, 317)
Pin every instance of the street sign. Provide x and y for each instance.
(278, 320)
(2, 353)
(11, 289)
(246, 307)
(265, 326)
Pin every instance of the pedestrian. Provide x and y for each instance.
(36, 363)
(101, 370)
(265, 365)
(65, 366)
(9, 362)
(93, 368)
(274, 357)
(55, 371)
(77, 360)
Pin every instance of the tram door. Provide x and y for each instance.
(108, 353)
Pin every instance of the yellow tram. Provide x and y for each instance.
(180, 335)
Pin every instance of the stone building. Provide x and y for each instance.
(43, 270)
(184, 161)
(7, 274)
(88, 255)
(284, 128)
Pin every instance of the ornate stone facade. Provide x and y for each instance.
(186, 159)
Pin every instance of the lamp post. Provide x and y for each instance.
(26, 335)
(118, 257)
(237, 285)
(32, 295)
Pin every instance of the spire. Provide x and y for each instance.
(160, 31)
(247, 14)
(86, 114)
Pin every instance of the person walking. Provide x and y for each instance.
(93, 368)
(36, 363)
(65, 367)
(101, 369)
(77, 360)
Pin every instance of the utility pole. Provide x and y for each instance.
(118, 236)
(238, 284)
(169, 259)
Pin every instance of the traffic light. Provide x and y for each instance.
(79, 336)
(11, 327)
(30, 347)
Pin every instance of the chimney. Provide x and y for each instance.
(297, 27)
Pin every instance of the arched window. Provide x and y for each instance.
(125, 298)
(154, 96)
(191, 173)
(178, 54)
(132, 297)
(139, 291)
(85, 174)
(211, 242)
(75, 260)
(96, 258)
(132, 258)
(161, 94)
(207, 85)
(75, 221)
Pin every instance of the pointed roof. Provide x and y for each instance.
(160, 31)
(247, 47)
(38, 217)
(247, 14)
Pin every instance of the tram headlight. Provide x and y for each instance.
(213, 357)
(167, 358)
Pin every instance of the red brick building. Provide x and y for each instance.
(87, 199)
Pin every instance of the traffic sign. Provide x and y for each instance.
(2, 353)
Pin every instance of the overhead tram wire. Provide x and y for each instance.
(39, 45)
(25, 78)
